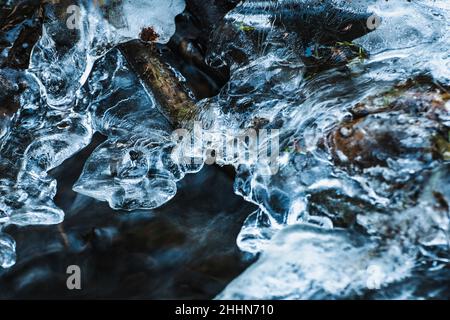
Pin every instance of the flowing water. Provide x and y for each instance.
(357, 204)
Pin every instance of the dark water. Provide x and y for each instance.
(184, 250)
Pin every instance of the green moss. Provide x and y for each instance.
(361, 53)
(246, 28)
(346, 44)
(443, 146)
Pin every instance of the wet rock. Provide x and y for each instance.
(196, 24)
(318, 21)
(191, 41)
(209, 14)
(409, 122)
(174, 97)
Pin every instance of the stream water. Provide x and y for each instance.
(357, 205)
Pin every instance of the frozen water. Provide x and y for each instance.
(309, 189)
(133, 169)
(55, 121)
(409, 30)
(311, 262)
(158, 14)
(320, 264)
(62, 61)
(7, 251)
(359, 201)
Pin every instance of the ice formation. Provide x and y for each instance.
(359, 200)
(159, 14)
(54, 120)
(321, 264)
(382, 197)
(134, 168)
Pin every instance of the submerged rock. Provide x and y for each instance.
(410, 123)
(176, 100)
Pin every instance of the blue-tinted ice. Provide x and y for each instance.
(328, 226)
